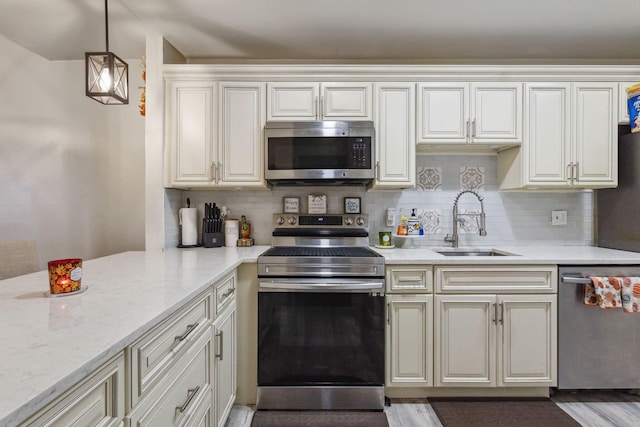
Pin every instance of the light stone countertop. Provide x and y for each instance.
(48, 344)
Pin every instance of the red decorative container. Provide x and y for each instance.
(65, 275)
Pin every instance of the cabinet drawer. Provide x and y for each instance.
(410, 278)
(154, 353)
(497, 278)
(225, 292)
(180, 394)
(98, 400)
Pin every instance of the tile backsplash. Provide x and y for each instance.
(512, 218)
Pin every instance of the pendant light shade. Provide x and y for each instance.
(107, 76)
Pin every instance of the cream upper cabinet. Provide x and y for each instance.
(214, 134)
(482, 113)
(570, 138)
(242, 118)
(409, 337)
(190, 133)
(395, 135)
(319, 101)
(495, 340)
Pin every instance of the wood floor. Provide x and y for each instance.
(589, 408)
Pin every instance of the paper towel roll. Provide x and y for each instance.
(188, 218)
(231, 232)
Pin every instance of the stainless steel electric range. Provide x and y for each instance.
(321, 315)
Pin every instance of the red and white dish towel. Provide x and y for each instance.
(614, 292)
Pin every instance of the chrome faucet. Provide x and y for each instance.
(453, 239)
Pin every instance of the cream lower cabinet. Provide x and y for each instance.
(225, 363)
(495, 340)
(184, 396)
(395, 135)
(98, 400)
(409, 341)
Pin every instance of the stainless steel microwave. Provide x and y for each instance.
(319, 153)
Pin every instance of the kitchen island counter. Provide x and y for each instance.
(48, 344)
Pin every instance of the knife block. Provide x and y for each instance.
(212, 240)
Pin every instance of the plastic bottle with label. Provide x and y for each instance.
(403, 227)
(414, 224)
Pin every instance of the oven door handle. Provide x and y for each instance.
(321, 286)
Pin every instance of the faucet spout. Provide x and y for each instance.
(453, 239)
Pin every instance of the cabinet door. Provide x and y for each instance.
(292, 101)
(595, 134)
(395, 135)
(242, 118)
(496, 113)
(225, 364)
(346, 101)
(409, 341)
(547, 145)
(190, 133)
(527, 338)
(465, 340)
(443, 113)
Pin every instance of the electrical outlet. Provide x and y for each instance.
(558, 217)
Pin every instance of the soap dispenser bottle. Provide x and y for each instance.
(403, 228)
(413, 223)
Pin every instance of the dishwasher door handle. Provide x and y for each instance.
(576, 280)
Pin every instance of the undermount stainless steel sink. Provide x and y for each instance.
(474, 252)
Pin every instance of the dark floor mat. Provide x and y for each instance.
(318, 419)
(487, 412)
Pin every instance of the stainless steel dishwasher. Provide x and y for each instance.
(597, 348)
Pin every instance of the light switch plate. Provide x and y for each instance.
(558, 217)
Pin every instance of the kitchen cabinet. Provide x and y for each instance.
(409, 337)
(395, 135)
(484, 114)
(409, 279)
(319, 101)
(242, 117)
(214, 134)
(96, 400)
(184, 393)
(495, 340)
(495, 326)
(225, 363)
(570, 138)
(191, 126)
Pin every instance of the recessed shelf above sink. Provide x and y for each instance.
(474, 252)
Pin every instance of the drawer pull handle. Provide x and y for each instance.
(410, 279)
(191, 393)
(229, 292)
(220, 337)
(190, 329)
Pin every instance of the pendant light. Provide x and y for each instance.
(107, 76)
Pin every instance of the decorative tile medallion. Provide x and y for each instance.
(472, 178)
(430, 220)
(470, 223)
(429, 178)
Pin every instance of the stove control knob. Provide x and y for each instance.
(279, 220)
(348, 221)
(360, 221)
(292, 220)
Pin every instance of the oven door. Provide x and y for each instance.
(328, 337)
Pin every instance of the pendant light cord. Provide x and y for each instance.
(106, 22)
